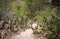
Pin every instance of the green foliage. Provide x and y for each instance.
(45, 14)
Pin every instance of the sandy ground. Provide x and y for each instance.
(27, 34)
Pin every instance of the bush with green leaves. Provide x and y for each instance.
(45, 14)
(50, 21)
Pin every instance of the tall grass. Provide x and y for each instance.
(45, 14)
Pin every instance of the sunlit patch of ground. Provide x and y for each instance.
(28, 34)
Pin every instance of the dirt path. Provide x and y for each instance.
(27, 34)
(24, 35)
